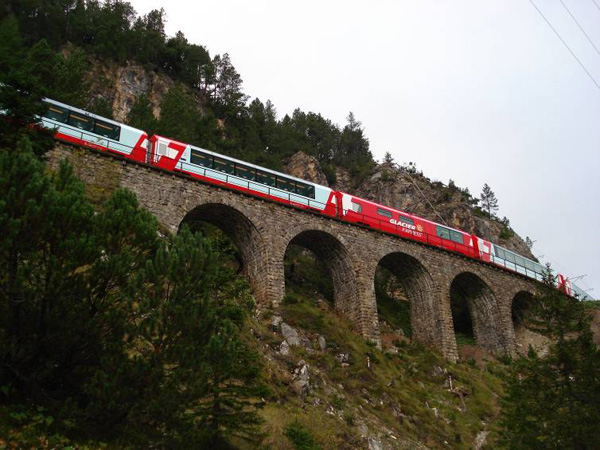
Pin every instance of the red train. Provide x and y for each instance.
(83, 128)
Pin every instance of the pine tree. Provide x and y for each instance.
(141, 115)
(489, 202)
(20, 92)
(178, 115)
(353, 150)
(62, 305)
(554, 401)
(191, 312)
(528, 242)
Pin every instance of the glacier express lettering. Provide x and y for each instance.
(403, 224)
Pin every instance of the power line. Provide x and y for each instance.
(580, 27)
(596, 5)
(566, 45)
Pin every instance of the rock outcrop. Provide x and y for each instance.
(120, 86)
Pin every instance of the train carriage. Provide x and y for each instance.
(364, 212)
(223, 170)
(80, 127)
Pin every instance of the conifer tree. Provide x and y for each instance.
(178, 115)
(20, 92)
(553, 402)
(489, 202)
(62, 307)
(141, 115)
(192, 310)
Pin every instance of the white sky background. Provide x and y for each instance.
(477, 91)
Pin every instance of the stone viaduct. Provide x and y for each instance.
(262, 230)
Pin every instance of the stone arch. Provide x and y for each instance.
(519, 304)
(244, 234)
(334, 255)
(483, 309)
(419, 288)
(522, 336)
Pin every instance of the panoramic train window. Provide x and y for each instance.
(356, 207)
(456, 237)
(406, 220)
(266, 178)
(520, 261)
(286, 185)
(442, 232)
(202, 159)
(510, 256)
(107, 130)
(306, 190)
(383, 212)
(223, 165)
(245, 172)
(500, 252)
(81, 121)
(57, 113)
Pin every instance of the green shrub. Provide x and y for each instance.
(506, 233)
(291, 299)
(329, 172)
(300, 438)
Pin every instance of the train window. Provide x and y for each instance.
(500, 252)
(266, 178)
(510, 257)
(57, 113)
(223, 165)
(356, 207)
(202, 159)
(529, 264)
(107, 130)
(520, 261)
(306, 190)
(456, 237)
(81, 121)
(384, 212)
(406, 220)
(245, 172)
(285, 184)
(442, 232)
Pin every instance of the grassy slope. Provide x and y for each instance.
(397, 395)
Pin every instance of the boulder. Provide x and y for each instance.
(322, 343)
(290, 335)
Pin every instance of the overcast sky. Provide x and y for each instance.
(477, 91)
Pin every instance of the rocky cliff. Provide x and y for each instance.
(119, 86)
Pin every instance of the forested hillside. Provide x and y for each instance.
(115, 334)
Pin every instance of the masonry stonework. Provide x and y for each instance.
(262, 230)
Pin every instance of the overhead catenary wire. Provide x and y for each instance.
(597, 6)
(580, 27)
(565, 44)
(425, 197)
